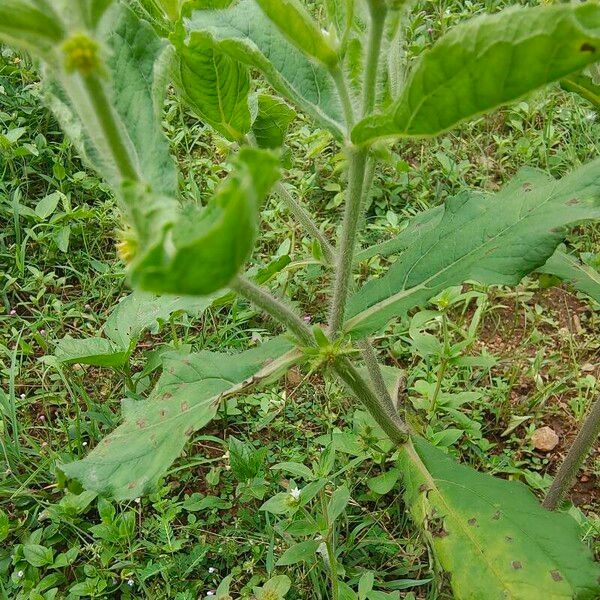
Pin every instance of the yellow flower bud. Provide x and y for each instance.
(81, 54)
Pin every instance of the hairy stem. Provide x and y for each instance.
(384, 414)
(375, 374)
(344, 94)
(110, 128)
(345, 252)
(305, 220)
(567, 472)
(378, 15)
(274, 307)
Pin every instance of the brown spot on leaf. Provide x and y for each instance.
(141, 423)
(508, 539)
(131, 485)
(527, 186)
(166, 395)
(556, 575)
(496, 515)
(184, 406)
(441, 533)
(423, 488)
(516, 564)
(163, 413)
(587, 47)
(472, 522)
(572, 202)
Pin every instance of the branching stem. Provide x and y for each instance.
(567, 472)
(274, 307)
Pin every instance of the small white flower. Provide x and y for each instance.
(210, 593)
(84, 444)
(295, 493)
(23, 396)
(20, 574)
(130, 582)
(212, 570)
(137, 500)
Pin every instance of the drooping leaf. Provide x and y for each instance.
(586, 83)
(136, 61)
(300, 552)
(205, 248)
(494, 239)
(272, 121)
(296, 24)
(244, 33)
(582, 277)
(492, 536)
(215, 86)
(486, 62)
(129, 461)
(127, 321)
(31, 25)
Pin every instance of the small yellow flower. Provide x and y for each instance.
(82, 54)
(127, 245)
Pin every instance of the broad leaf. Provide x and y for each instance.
(494, 239)
(581, 276)
(127, 321)
(129, 462)
(31, 25)
(136, 61)
(486, 62)
(91, 351)
(492, 536)
(215, 86)
(295, 22)
(204, 248)
(244, 33)
(272, 121)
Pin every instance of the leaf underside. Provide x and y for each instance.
(492, 536)
(493, 239)
(129, 461)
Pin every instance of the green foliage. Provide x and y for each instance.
(203, 249)
(129, 461)
(493, 240)
(127, 321)
(487, 62)
(581, 276)
(245, 34)
(214, 85)
(515, 547)
(191, 232)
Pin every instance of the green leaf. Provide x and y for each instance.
(47, 205)
(206, 247)
(129, 461)
(492, 536)
(491, 239)
(127, 321)
(244, 33)
(301, 552)
(214, 85)
(274, 589)
(296, 24)
(294, 468)
(337, 503)
(486, 62)
(384, 483)
(37, 555)
(586, 83)
(31, 25)
(137, 62)
(4, 525)
(272, 121)
(90, 351)
(581, 276)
